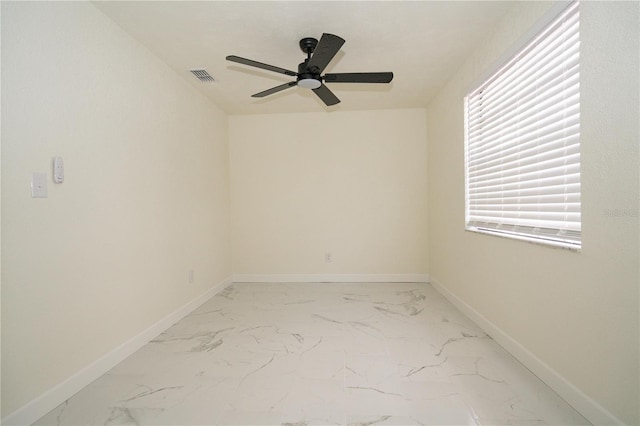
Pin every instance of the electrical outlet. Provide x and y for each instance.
(328, 257)
(191, 276)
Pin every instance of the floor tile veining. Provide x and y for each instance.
(319, 354)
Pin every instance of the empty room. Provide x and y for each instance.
(320, 213)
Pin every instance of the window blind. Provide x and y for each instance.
(522, 134)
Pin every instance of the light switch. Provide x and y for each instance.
(38, 185)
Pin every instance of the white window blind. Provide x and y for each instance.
(522, 134)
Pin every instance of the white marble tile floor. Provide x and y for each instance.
(319, 354)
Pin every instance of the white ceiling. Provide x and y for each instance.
(421, 42)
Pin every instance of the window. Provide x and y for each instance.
(522, 141)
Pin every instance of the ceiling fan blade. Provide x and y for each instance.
(326, 95)
(359, 77)
(274, 90)
(257, 64)
(327, 48)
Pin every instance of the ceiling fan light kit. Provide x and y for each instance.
(309, 75)
(309, 83)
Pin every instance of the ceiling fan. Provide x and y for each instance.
(319, 54)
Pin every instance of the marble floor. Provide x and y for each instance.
(319, 354)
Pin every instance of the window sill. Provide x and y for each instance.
(533, 240)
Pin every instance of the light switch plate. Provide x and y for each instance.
(38, 185)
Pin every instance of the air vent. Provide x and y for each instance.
(203, 76)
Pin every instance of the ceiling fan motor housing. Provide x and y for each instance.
(307, 78)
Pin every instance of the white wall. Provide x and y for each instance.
(145, 196)
(349, 183)
(575, 311)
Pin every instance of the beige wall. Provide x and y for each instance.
(349, 183)
(575, 311)
(145, 196)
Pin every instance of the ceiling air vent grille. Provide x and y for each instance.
(203, 76)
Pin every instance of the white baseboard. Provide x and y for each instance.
(585, 405)
(33, 410)
(331, 278)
